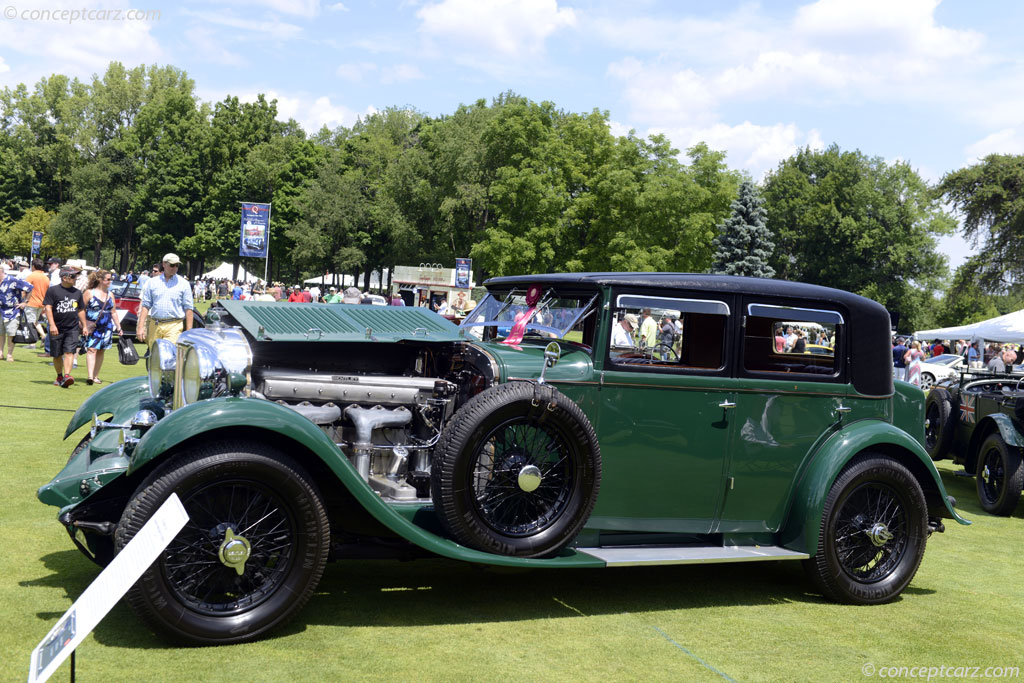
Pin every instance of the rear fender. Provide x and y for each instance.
(260, 416)
(1000, 421)
(803, 524)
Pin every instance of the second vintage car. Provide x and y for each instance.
(547, 431)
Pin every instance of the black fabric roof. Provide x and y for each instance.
(869, 322)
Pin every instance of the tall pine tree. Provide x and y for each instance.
(744, 244)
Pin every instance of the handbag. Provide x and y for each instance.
(126, 352)
(26, 333)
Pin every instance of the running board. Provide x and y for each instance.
(625, 556)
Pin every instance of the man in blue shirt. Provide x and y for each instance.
(13, 291)
(166, 301)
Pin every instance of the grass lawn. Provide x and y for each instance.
(442, 620)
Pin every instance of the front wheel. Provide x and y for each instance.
(927, 380)
(250, 555)
(873, 532)
(1000, 476)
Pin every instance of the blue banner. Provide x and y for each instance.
(255, 239)
(463, 272)
(37, 242)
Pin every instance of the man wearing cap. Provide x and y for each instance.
(622, 334)
(166, 301)
(65, 310)
(53, 264)
(334, 297)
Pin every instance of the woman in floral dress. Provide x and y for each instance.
(101, 321)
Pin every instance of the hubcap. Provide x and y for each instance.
(529, 478)
(985, 474)
(879, 534)
(234, 551)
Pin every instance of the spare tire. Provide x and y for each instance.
(939, 423)
(516, 471)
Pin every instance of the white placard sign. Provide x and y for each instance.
(109, 587)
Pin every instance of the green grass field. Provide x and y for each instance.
(439, 620)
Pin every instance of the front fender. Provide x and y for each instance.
(115, 399)
(802, 528)
(260, 415)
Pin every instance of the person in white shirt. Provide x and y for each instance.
(622, 333)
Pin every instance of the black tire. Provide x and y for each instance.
(189, 593)
(873, 532)
(492, 443)
(1000, 476)
(939, 423)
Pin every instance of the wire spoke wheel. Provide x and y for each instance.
(508, 451)
(871, 532)
(191, 563)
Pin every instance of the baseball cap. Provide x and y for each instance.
(631, 319)
(53, 259)
(68, 271)
(171, 258)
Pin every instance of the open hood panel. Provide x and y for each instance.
(283, 321)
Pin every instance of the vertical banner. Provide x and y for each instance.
(255, 230)
(463, 270)
(37, 242)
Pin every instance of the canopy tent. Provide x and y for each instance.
(1006, 328)
(225, 271)
(378, 280)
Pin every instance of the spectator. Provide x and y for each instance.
(166, 302)
(459, 305)
(306, 296)
(899, 352)
(442, 305)
(40, 283)
(648, 330)
(294, 295)
(12, 293)
(397, 300)
(913, 358)
(352, 296)
(53, 263)
(100, 322)
(622, 333)
(65, 311)
(333, 297)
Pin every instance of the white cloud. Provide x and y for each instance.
(312, 113)
(77, 48)
(273, 29)
(299, 8)
(396, 73)
(509, 28)
(758, 149)
(3, 66)
(211, 48)
(338, 7)
(1006, 141)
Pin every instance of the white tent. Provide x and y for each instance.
(224, 272)
(1006, 328)
(377, 280)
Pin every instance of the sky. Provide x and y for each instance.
(936, 85)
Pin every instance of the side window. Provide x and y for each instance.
(786, 339)
(668, 333)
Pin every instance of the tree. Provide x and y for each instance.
(989, 196)
(744, 243)
(852, 222)
(16, 237)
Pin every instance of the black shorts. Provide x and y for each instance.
(66, 341)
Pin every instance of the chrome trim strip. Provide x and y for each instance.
(705, 303)
(836, 318)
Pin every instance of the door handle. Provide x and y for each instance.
(843, 409)
(726, 405)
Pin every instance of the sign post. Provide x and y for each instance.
(109, 587)
(255, 238)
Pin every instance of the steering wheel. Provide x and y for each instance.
(663, 352)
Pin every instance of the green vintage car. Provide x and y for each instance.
(298, 433)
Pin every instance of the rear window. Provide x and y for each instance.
(792, 340)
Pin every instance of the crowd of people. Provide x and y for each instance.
(908, 354)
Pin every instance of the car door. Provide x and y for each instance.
(780, 415)
(663, 416)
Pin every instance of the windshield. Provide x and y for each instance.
(945, 359)
(554, 315)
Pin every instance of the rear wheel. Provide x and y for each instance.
(939, 423)
(1000, 476)
(249, 557)
(927, 380)
(873, 533)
